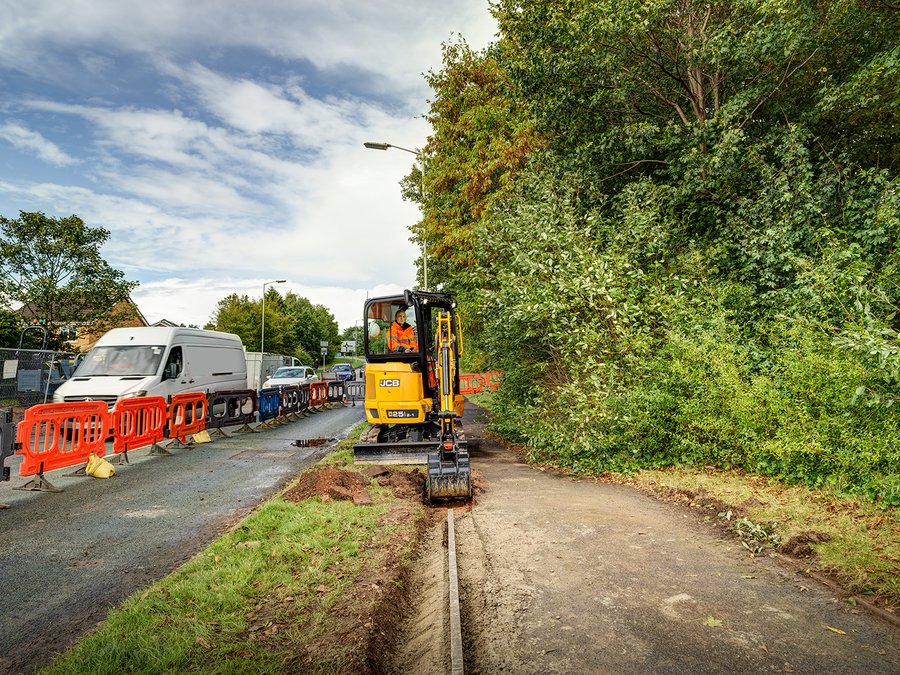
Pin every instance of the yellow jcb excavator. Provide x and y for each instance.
(412, 345)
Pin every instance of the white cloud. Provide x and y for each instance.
(216, 177)
(31, 142)
(194, 301)
(398, 39)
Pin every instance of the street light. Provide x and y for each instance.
(384, 146)
(262, 337)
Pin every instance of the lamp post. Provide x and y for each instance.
(262, 336)
(384, 146)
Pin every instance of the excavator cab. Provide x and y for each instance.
(412, 345)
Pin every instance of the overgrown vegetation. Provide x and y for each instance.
(674, 226)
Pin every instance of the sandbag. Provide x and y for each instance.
(99, 467)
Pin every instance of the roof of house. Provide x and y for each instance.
(29, 312)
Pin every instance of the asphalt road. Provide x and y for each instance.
(67, 558)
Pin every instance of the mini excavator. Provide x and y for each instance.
(412, 399)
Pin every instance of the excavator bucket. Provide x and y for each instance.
(449, 475)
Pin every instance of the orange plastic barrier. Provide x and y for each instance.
(492, 379)
(187, 414)
(318, 393)
(474, 383)
(470, 383)
(58, 435)
(138, 422)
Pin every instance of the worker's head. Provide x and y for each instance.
(400, 316)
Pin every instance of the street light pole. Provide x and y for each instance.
(262, 337)
(421, 157)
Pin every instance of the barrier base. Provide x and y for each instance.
(178, 443)
(39, 484)
(158, 451)
(77, 472)
(218, 433)
(119, 459)
(246, 429)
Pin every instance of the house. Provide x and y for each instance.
(124, 314)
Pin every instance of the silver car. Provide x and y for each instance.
(287, 375)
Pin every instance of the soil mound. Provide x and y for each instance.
(405, 484)
(800, 545)
(330, 483)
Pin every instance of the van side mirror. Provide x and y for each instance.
(171, 371)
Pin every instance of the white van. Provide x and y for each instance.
(129, 362)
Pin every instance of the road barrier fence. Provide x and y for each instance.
(138, 422)
(7, 440)
(232, 408)
(187, 414)
(475, 383)
(336, 392)
(30, 376)
(290, 400)
(355, 391)
(60, 435)
(269, 404)
(318, 395)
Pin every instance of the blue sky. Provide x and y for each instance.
(220, 141)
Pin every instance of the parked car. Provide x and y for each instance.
(287, 375)
(342, 371)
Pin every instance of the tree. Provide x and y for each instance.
(481, 139)
(54, 266)
(11, 326)
(699, 260)
(312, 324)
(294, 326)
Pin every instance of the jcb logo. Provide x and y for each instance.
(389, 383)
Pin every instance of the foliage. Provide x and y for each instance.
(54, 266)
(694, 258)
(481, 140)
(11, 325)
(293, 325)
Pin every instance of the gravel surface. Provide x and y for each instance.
(67, 558)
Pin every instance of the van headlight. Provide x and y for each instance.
(135, 394)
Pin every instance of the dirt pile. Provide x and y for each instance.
(330, 483)
(405, 484)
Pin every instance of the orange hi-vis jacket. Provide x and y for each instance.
(398, 336)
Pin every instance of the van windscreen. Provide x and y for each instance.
(121, 360)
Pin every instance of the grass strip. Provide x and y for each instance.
(273, 595)
(861, 543)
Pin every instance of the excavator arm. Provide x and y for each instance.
(449, 473)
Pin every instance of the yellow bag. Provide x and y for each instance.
(99, 467)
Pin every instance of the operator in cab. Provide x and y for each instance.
(401, 336)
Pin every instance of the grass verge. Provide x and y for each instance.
(852, 541)
(292, 588)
